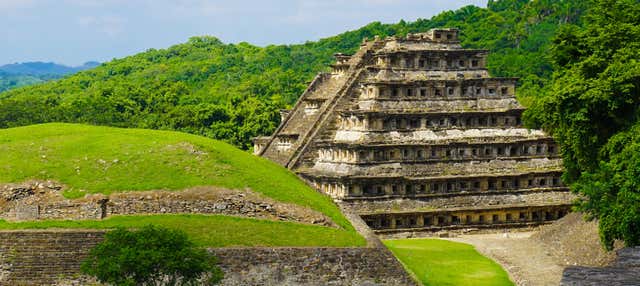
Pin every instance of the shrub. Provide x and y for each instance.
(152, 255)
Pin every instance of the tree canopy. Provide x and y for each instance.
(592, 107)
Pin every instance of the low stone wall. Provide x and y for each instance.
(624, 271)
(210, 200)
(311, 266)
(43, 257)
(43, 200)
(53, 257)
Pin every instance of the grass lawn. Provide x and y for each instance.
(217, 230)
(442, 262)
(98, 159)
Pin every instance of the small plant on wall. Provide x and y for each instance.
(152, 255)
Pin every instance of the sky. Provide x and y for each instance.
(72, 32)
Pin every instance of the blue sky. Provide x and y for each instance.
(74, 31)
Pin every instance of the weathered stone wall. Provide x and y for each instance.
(311, 266)
(42, 257)
(68, 209)
(625, 271)
(203, 201)
(43, 200)
(38, 199)
(50, 257)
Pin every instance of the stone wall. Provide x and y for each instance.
(43, 257)
(43, 200)
(624, 271)
(53, 257)
(219, 201)
(311, 266)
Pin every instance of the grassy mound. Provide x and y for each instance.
(442, 262)
(93, 159)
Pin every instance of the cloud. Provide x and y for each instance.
(111, 26)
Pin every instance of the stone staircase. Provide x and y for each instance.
(358, 61)
(321, 89)
(300, 126)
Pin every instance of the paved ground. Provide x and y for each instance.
(526, 260)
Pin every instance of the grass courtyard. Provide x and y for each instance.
(442, 262)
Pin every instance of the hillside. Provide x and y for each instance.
(233, 92)
(30, 73)
(9, 81)
(42, 68)
(89, 159)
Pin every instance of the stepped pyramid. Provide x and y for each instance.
(414, 135)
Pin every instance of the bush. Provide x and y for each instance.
(152, 255)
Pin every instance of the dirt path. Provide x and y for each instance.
(527, 261)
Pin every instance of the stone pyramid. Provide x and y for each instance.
(414, 135)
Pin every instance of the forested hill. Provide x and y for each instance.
(233, 91)
(42, 68)
(28, 73)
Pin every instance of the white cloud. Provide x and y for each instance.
(111, 26)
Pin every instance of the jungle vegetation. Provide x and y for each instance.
(232, 92)
(592, 108)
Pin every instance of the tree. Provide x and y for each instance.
(613, 189)
(592, 108)
(151, 255)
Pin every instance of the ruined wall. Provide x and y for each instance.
(42, 257)
(311, 266)
(43, 200)
(53, 257)
(226, 202)
(624, 271)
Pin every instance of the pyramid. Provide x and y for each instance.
(414, 135)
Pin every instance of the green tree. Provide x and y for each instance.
(613, 189)
(150, 256)
(592, 107)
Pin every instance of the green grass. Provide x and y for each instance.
(442, 262)
(96, 159)
(216, 230)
